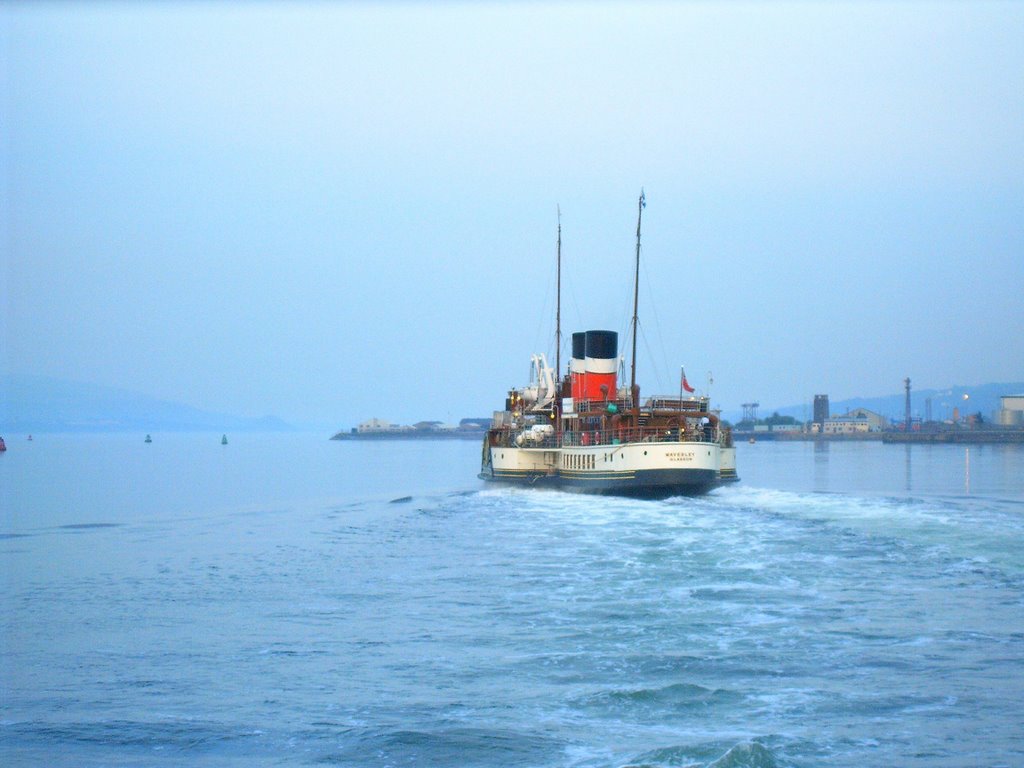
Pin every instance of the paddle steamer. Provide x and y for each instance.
(588, 433)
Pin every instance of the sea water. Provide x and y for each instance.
(281, 601)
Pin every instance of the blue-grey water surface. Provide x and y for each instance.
(270, 602)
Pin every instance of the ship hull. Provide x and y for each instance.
(647, 470)
(647, 484)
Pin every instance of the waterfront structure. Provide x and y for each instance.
(846, 425)
(876, 421)
(1011, 410)
(820, 409)
(379, 426)
(777, 428)
(906, 418)
(373, 429)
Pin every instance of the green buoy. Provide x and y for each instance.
(224, 440)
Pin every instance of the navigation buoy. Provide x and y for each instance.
(30, 437)
(3, 446)
(224, 440)
(149, 439)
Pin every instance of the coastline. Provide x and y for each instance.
(980, 436)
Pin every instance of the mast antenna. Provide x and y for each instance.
(636, 294)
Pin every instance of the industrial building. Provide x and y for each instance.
(1011, 411)
(876, 421)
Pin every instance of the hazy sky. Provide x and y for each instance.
(333, 211)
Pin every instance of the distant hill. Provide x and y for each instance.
(41, 404)
(983, 398)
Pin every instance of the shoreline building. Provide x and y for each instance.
(876, 421)
(380, 426)
(858, 421)
(1011, 411)
(820, 411)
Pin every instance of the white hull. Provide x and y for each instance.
(641, 468)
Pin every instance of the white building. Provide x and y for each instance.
(846, 425)
(380, 425)
(1011, 411)
(787, 428)
(876, 421)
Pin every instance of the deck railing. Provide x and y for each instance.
(690, 404)
(592, 437)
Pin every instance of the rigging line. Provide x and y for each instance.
(541, 339)
(569, 286)
(659, 379)
(658, 327)
(627, 302)
(658, 370)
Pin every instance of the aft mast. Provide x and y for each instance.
(558, 304)
(556, 404)
(636, 301)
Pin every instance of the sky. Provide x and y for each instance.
(336, 211)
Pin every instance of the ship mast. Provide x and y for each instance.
(636, 297)
(558, 308)
(556, 404)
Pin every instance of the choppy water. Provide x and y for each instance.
(267, 603)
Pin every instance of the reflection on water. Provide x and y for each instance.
(907, 465)
(874, 467)
(821, 452)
